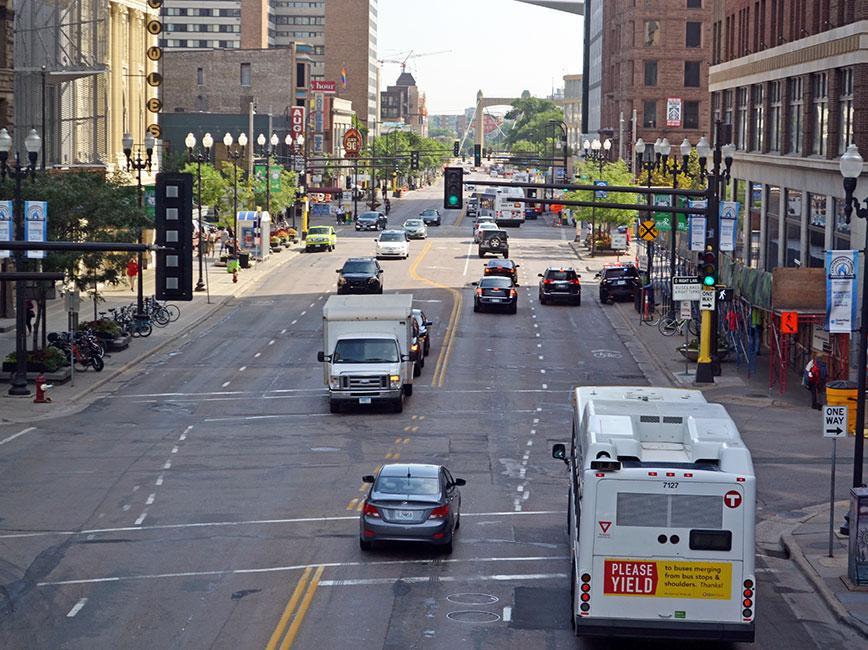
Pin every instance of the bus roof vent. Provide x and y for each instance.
(672, 420)
(649, 418)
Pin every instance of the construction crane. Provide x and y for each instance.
(411, 55)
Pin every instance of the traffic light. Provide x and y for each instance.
(174, 231)
(477, 155)
(414, 160)
(453, 188)
(708, 268)
(455, 147)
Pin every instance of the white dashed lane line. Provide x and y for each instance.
(283, 331)
(257, 355)
(225, 384)
(77, 608)
(271, 342)
(242, 369)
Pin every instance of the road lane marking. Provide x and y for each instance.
(225, 384)
(141, 518)
(167, 465)
(293, 322)
(288, 610)
(303, 313)
(283, 331)
(20, 433)
(257, 355)
(271, 342)
(77, 608)
(507, 614)
(230, 524)
(151, 497)
(311, 305)
(467, 257)
(242, 369)
(499, 577)
(302, 610)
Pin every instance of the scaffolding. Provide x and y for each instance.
(61, 54)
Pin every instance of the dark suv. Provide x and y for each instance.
(618, 281)
(560, 284)
(360, 275)
(494, 241)
(371, 221)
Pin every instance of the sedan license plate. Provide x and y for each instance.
(405, 515)
(621, 282)
(496, 299)
(364, 400)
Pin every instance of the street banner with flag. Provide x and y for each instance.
(7, 221)
(728, 224)
(842, 269)
(35, 225)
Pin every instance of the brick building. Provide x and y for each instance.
(789, 82)
(404, 103)
(654, 59)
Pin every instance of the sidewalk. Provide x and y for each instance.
(805, 540)
(72, 396)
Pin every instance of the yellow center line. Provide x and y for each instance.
(290, 608)
(439, 375)
(302, 610)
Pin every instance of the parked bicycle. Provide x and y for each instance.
(672, 326)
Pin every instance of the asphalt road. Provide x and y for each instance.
(211, 502)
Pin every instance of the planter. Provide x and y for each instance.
(276, 249)
(57, 377)
(119, 343)
(31, 367)
(692, 354)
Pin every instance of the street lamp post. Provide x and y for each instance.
(672, 166)
(266, 150)
(235, 154)
(851, 169)
(32, 144)
(199, 157)
(139, 165)
(646, 161)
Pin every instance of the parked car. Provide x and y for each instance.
(393, 243)
(320, 237)
(360, 275)
(413, 503)
(371, 221)
(415, 229)
(562, 283)
(493, 241)
(431, 217)
(424, 330)
(505, 268)
(495, 292)
(618, 281)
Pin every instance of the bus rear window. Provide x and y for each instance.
(669, 510)
(710, 540)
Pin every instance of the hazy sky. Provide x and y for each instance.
(499, 46)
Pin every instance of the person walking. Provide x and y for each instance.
(132, 272)
(224, 240)
(29, 316)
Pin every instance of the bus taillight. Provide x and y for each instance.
(747, 603)
(585, 597)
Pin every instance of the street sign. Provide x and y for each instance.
(648, 230)
(789, 322)
(686, 311)
(706, 300)
(325, 87)
(686, 288)
(724, 294)
(601, 194)
(352, 142)
(296, 121)
(619, 241)
(835, 421)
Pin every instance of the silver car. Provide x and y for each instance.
(413, 503)
(415, 229)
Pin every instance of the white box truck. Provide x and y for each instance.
(366, 352)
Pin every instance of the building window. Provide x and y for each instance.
(245, 75)
(649, 114)
(727, 107)
(650, 73)
(819, 93)
(841, 234)
(775, 116)
(694, 4)
(691, 73)
(652, 33)
(773, 198)
(741, 118)
(793, 225)
(757, 118)
(794, 114)
(691, 115)
(693, 35)
(200, 76)
(845, 108)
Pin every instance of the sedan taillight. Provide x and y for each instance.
(440, 512)
(370, 511)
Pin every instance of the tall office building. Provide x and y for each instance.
(190, 24)
(303, 22)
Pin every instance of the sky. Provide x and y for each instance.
(499, 46)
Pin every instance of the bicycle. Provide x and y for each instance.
(671, 326)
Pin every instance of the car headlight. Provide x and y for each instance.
(342, 280)
(395, 381)
(334, 382)
(372, 280)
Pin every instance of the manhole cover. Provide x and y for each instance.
(472, 599)
(473, 616)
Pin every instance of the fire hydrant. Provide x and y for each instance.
(41, 387)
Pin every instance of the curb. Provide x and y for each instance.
(835, 606)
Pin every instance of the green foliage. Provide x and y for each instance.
(234, 174)
(530, 117)
(214, 184)
(660, 178)
(432, 154)
(51, 358)
(523, 146)
(103, 328)
(615, 173)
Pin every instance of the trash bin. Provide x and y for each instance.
(843, 393)
(244, 260)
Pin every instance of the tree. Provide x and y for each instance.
(214, 184)
(524, 146)
(615, 173)
(245, 193)
(691, 180)
(530, 117)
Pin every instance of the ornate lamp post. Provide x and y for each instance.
(138, 165)
(235, 154)
(199, 157)
(32, 143)
(266, 151)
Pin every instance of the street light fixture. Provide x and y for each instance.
(235, 154)
(199, 157)
(138, 165)
(32, 144)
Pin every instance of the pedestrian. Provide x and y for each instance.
(224, 240)
(132, 272)
(212, 241)
(30, 315)
(388, 206)
(339, 214)
(814, 379)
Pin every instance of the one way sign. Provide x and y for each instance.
(834, 421)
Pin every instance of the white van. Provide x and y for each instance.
(662, 516)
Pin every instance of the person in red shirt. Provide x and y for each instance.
(132, 272)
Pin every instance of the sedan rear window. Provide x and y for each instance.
(407, 485)
(561, 275)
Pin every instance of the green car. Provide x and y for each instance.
(323, 237)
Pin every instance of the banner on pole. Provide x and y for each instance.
(697, 232)
(7, 221)
(35, 225)
(842, 268)
(728, 224)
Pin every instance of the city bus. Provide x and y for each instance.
(661, 517)
(508, 211)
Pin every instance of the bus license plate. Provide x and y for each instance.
(364, 400)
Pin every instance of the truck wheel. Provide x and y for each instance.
(408, 389)
(334, 406)
(417, 369)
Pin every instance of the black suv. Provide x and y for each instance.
(618, 281)
(494, 241)
(560, 284)
(360, 275)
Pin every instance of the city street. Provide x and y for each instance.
(212, 500)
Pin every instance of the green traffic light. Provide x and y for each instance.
(708, 281)
(453, 200)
